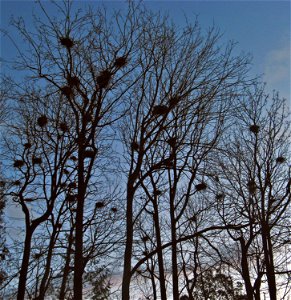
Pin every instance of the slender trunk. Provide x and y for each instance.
(66, 267)
(79, 260)
(245, 271)
(24, 264)
(269, 261)
(160, 253)
(151, 270)
(174, 252)
(44, 281)
(128, 247)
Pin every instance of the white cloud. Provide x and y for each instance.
(277, 66)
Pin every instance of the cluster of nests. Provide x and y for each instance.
(19, 163)
(160, 110)
(42, 122)
(98, 205)
(102, 79)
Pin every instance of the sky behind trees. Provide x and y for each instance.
(261, 28)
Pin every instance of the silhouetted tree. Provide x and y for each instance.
(180, 105)
(254, 184)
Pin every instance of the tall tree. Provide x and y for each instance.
(181, 102)
(254, 186)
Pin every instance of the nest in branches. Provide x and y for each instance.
(145, 238)
(120, 62)
(135, 146)
(64, 127)
(66, 42)
(103, 79)
(201, 186)
(280, 159)
(252, 187)
(27, 145)
(158, 192)
(67, 91)
(71, 198)
(172, 141)
(37, 255)
(99, 204)
(36, 160)
(58, 225)
(67, 172)
(193, 219)
(18, 163)
(2, 183)
(219, 197)
(174, 101)
(17, 183)
(114, 209)
(167, 163)
(42, 121)
(63, 185)
(73, 81)
(72, 185)
(159, 110)
(89, 153)
(254, 128)
(73, 158)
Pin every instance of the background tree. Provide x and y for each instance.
(255, 187)
(187, 87)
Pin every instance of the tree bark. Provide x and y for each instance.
(269, 261)
(24, 264)
(162, 280)
(79, 260)
(128, 247)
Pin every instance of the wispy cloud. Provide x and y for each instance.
(277, 65)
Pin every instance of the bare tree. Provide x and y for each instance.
(181, 103)
(254, 186)
(88, 61)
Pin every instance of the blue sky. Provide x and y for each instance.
(261, 28)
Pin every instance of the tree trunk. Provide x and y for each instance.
(162, 280)
(24, 264)
(44, 281)
(245, 270)
(79, 260)
(174, 252)
(269, 261)
(66, 267)
(128, 247)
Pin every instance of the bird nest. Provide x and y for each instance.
(36, 160)
(27, 145)
(280, 159)
(254, 128)
(104, 78)
(173, 101)
(159, 110)
(72, 185)
(73, 81)
(64, 127)
(66, 42)
(42, 121)
(120, 62)
(201, 186)
(135, 146)
(172, 141)
(18, 163)
(67, 91)
(99, 204)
